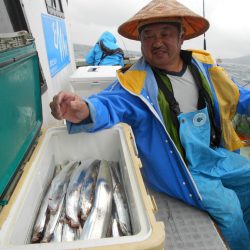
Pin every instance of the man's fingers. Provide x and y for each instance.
(55, 106)
(68, 106)
(77, 105)
(55, 111)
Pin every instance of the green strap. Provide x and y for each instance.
(165, 110)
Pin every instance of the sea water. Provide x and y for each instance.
(239, 72)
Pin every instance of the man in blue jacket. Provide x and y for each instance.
(180, 105)
(105, 52)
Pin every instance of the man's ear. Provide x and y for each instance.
(181, 39)
(182, 33)
(142, 49)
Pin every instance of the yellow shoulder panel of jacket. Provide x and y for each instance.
(132, 80)
(203, 56)
(228, 96)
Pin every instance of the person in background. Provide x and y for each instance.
(180, 105)
(105, 52)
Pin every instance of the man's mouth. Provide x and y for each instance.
(159, 51)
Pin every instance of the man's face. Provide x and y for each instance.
(161, 45)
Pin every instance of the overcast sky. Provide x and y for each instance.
(227, 37)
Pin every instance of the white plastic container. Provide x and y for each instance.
(55, 146)
(89, 80)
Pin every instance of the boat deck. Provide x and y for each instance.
(186, 227)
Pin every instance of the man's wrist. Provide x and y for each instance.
(88, 119)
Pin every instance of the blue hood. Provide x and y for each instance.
(109, 40)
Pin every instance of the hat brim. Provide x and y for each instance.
(193, 26)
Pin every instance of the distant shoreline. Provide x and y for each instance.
(245, 60)
(81, 50)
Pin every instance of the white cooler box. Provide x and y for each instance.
(56, 146)
(89, 80)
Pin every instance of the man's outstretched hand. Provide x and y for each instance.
(69, 106)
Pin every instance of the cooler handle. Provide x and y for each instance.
(95, 83)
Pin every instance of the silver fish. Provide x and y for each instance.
(53, 220)
(57, 169)
(68, 233)
(41, 219)
(97, 223)
(109, 230)
(88, 189)
(115, 228)
(78, 233)
(120, 201)
(73, 193)
(57, 234)
(57, 185)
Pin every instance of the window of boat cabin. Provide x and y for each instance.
(13, 20)
(54, 7)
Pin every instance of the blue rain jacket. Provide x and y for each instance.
(96, 56)
(133, 99)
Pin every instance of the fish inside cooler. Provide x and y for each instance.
(85, 200)
(108, 151)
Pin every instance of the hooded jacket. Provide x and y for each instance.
(105, 52)
(133, 99)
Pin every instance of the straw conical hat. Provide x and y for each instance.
(164, 10)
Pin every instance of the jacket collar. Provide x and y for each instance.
(139, 75)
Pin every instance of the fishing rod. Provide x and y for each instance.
(125, 48)
(204, 44)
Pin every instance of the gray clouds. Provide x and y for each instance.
(106, 13)
(89, 19)
(228, 35)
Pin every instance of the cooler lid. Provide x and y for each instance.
(21, 110)
(94, 73)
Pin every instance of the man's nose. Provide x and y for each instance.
(158, 40)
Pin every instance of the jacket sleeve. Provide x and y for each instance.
(109, 108)
(90, 57)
